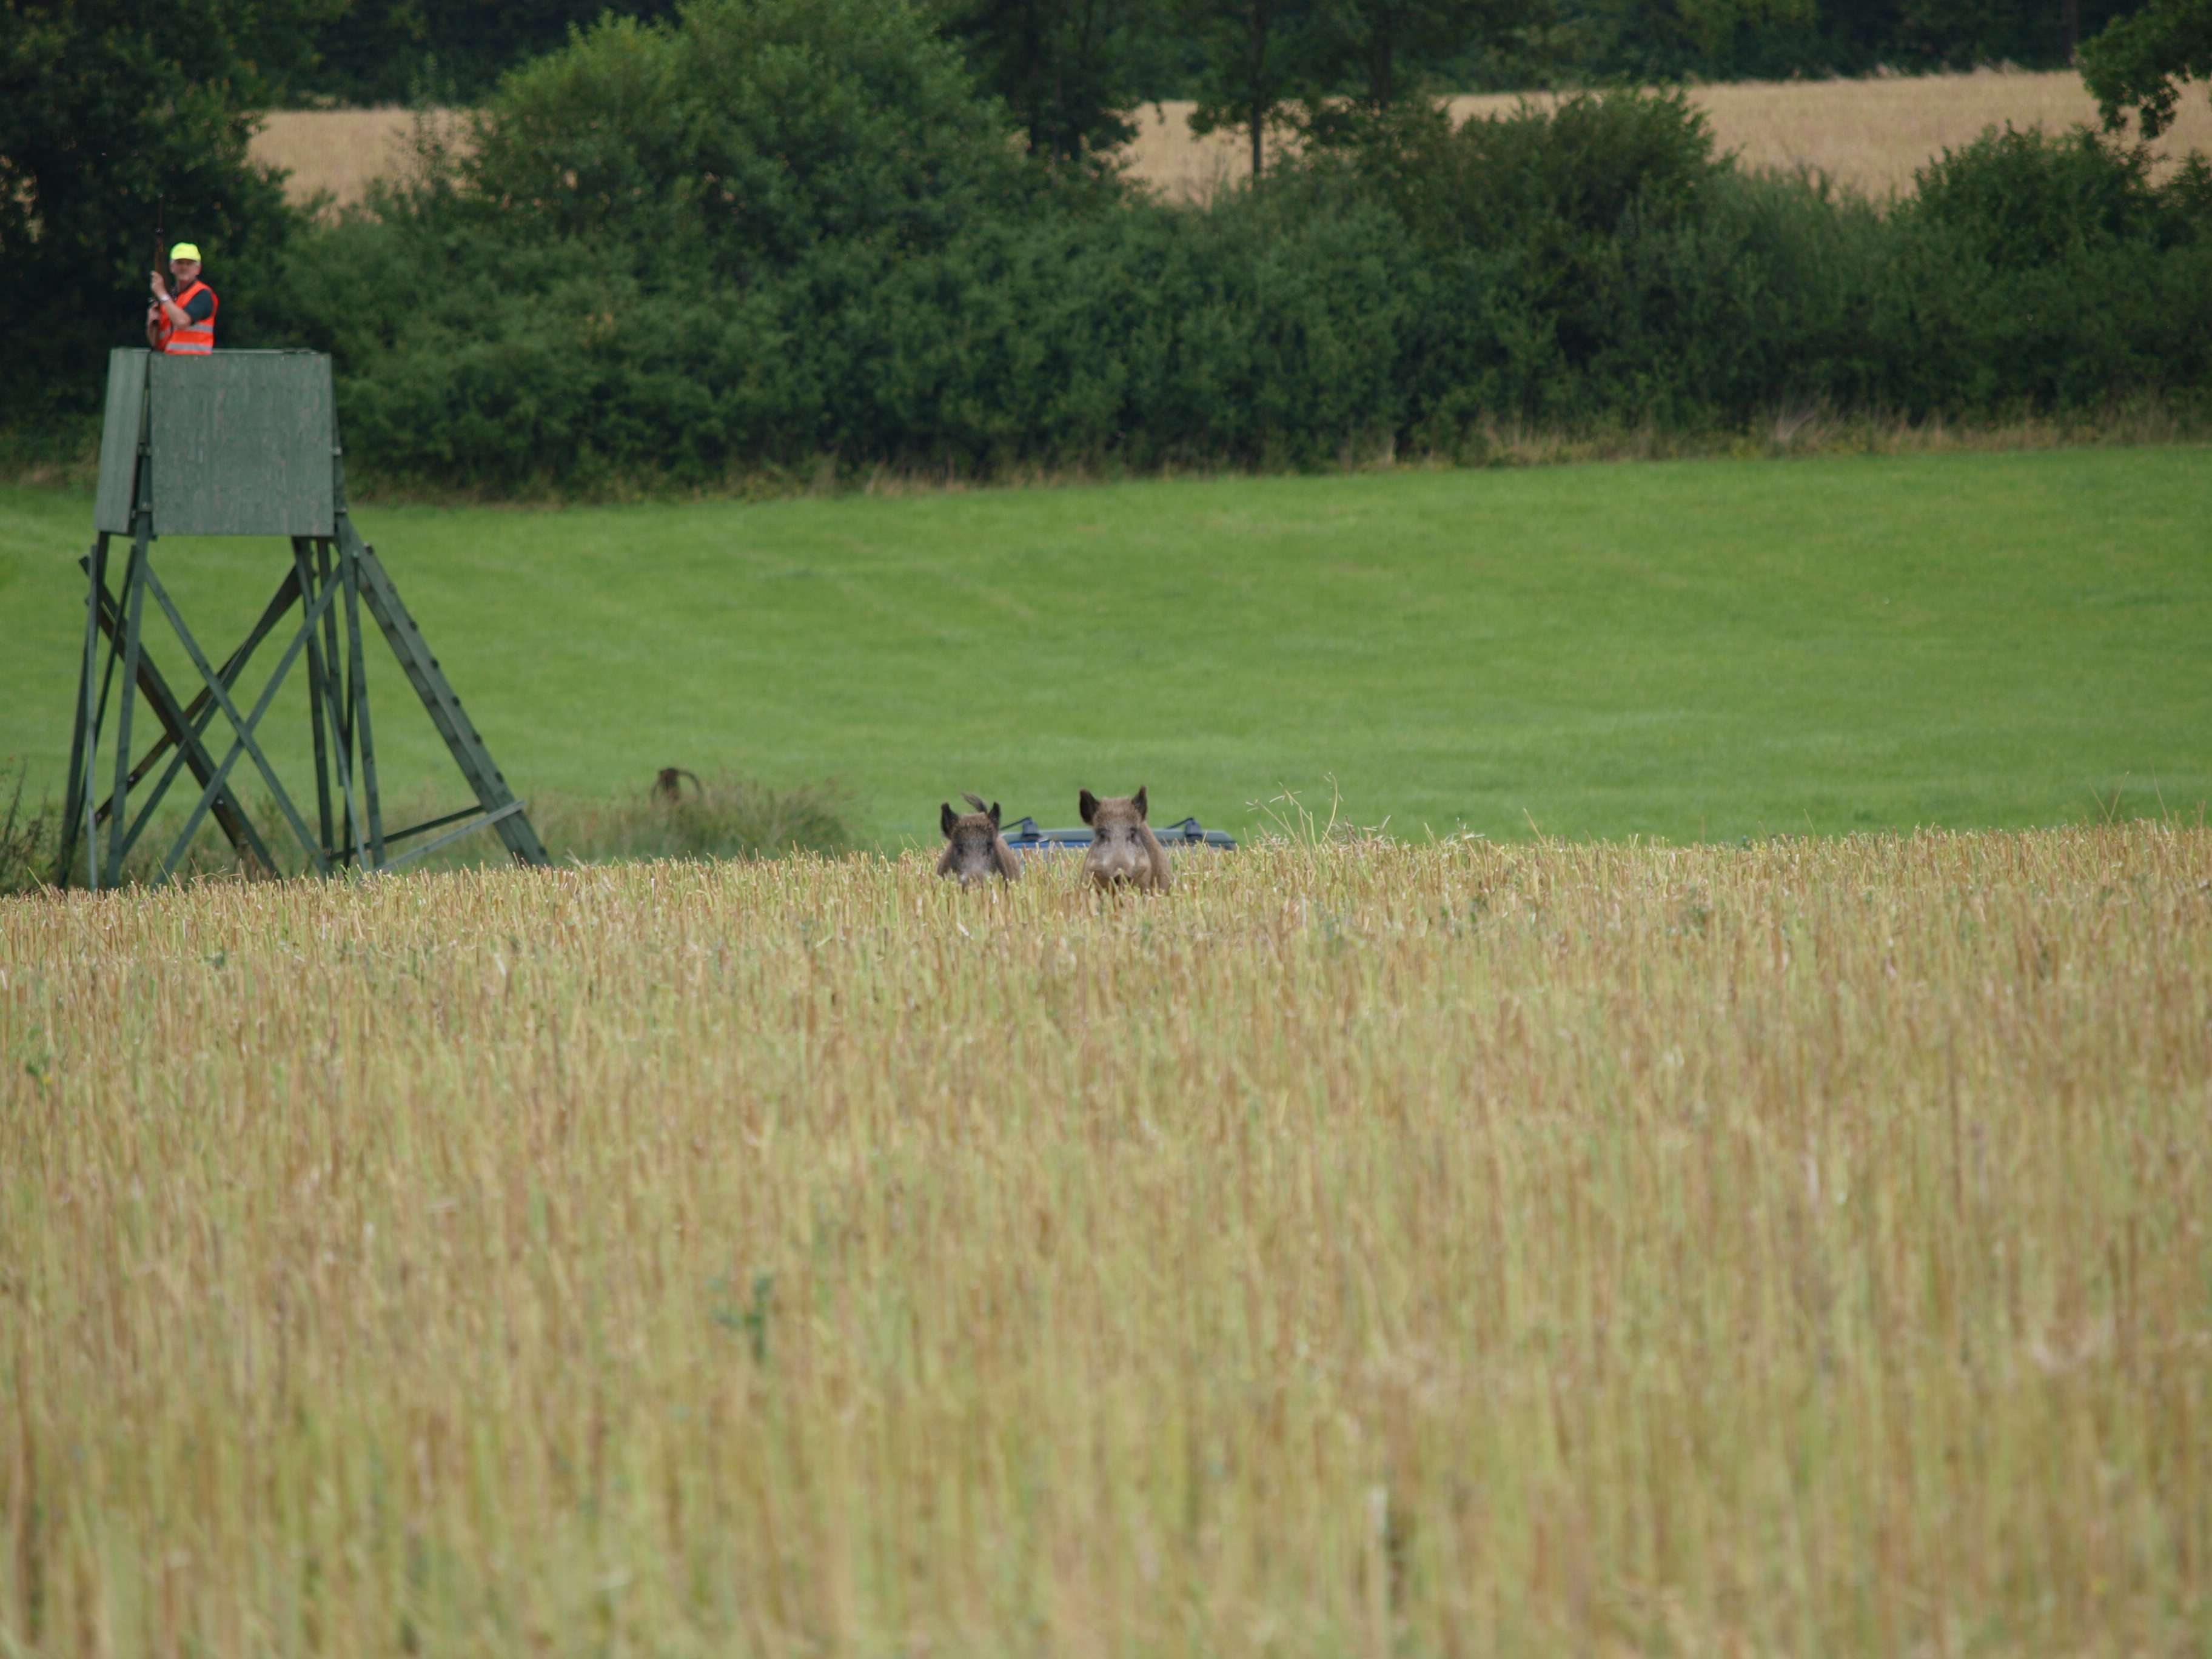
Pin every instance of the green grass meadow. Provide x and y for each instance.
(1698, 650)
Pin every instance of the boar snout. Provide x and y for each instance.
(974, 849)
(1124, 852)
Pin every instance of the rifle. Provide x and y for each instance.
(160, 258)
(159, 269)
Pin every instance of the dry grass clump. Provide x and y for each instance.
(28, 839)
(720, 816)
(1450, 1249)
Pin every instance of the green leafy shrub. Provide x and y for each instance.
(2019, 200)
(742, 135)
(1544, 183)
(2029, 270)
(769, 233)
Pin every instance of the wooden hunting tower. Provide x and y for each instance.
(246, 443)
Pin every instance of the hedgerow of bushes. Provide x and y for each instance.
(773, 231)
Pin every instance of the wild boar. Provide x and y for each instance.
(1124, 851)
(975, 851)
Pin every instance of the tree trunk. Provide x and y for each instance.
(1258, 14)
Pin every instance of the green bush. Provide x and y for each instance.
(742, 137)
(768, 232)
(2031, 270)
(2027, 271)
(2024, 200)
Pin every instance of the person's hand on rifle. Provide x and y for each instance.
(165, 307)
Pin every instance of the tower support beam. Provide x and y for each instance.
(246, 444)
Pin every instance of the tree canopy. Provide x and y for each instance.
(108, 111)
(743, 133)
(1070, 69)
(2138, 61)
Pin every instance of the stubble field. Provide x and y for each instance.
(1867, 134)
(1364, 1248)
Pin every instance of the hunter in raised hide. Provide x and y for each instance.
(1124, 851)
(975, 851)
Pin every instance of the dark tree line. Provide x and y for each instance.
(107, 110)
(1069, 69)
(787, 230)
(394, 51)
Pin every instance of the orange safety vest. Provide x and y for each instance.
(195, 339)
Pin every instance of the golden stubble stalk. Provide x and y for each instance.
(1361, 1249)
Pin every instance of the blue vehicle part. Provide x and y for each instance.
(1025, 837)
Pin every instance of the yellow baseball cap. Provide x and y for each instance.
(185, 251)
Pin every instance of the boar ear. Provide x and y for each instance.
(1087, 804)
(995, 815)
(946, 818)
(1137, 801)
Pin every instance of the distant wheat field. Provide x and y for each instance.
(1363, 1250)
(1870, 135)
